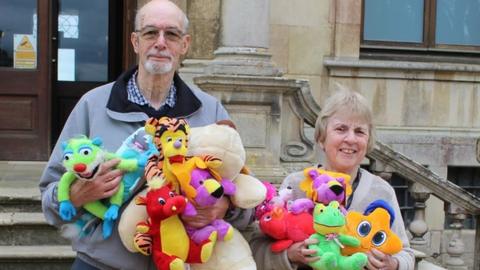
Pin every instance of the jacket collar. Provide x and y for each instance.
(186, 104)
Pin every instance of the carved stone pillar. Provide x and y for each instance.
(418, 227)
(244, 40)
(456, 247)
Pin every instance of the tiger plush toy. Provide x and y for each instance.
(171, 139)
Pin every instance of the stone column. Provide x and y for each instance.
(244, 40)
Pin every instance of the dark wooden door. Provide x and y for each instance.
(24, 79)
(51, 53)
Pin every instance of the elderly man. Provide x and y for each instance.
(114, 111)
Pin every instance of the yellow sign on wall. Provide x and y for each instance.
(25, 51)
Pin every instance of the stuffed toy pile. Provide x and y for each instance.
(217, 150)
(195, 177)
(329, 224)
(82, 159)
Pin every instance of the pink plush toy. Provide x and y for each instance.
(284, 197)
(272, 200)
(265, 206)
(208, 192)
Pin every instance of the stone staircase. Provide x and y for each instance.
(26, 240)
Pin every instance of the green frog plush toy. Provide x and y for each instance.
(328, 223)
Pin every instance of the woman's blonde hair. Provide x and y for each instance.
(345, 101)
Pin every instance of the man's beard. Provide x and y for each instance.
(153, 67)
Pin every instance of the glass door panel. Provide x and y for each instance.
(18, 34)
(87, 46)
(83, 40)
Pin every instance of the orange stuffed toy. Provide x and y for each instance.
(373, 229)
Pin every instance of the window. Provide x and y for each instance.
(18, 34)
(83, 40)
(422, 25)
(469, 179)
(405, 200)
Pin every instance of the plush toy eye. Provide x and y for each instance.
(85, 151)
(201, 182)
(171, 194)
(363, 229)
(169, 139)
(267, 218)
(161, 201)
(67, 156)
(379, 238)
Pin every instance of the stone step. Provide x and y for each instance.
(23, 229)
(20, 200)
(41, 257)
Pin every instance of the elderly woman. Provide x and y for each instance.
(345, 133)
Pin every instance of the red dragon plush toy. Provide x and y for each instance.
(287, 227)
(171, 245)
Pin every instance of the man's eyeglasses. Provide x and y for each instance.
(152, 33)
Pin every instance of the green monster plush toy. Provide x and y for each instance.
(82, 158)
(328, 223)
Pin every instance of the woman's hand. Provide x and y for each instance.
(300, 254)
(207, 214)
(103, 185)
(378, 260)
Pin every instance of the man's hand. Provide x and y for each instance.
(300, 254)
(207, 214)
(378, 260)
(102, 186)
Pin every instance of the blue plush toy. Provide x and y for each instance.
(139, 146)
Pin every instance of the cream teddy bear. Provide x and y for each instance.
(223, 142)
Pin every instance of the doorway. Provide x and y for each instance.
(51, 53)
(88, 48)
